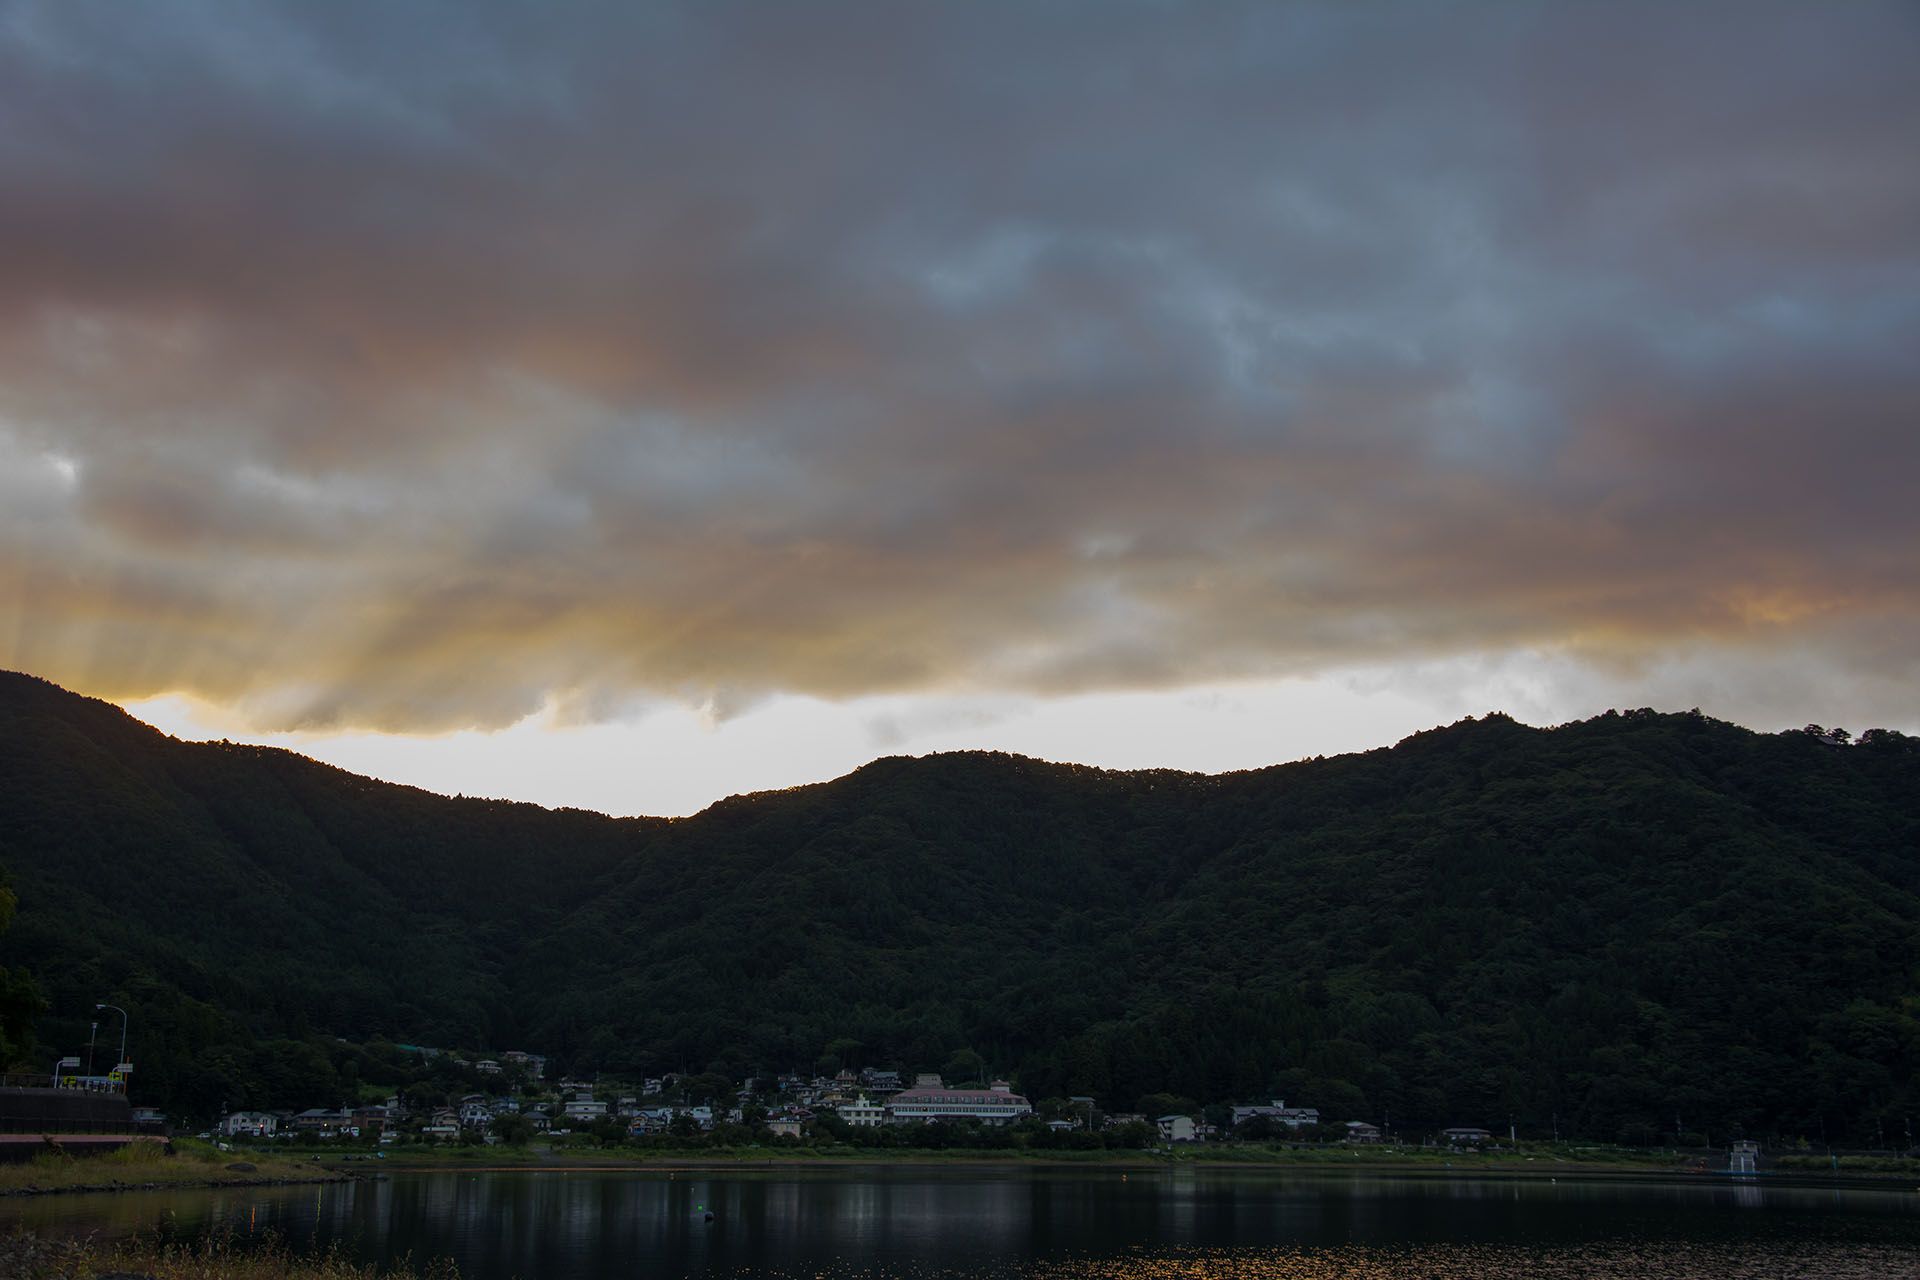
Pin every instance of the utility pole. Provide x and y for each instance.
(122, 1062)
(92, 1028)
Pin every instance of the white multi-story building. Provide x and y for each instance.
(1176, 1128)
(998, 1105)
(863, 1114)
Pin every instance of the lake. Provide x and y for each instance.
(945, 1223)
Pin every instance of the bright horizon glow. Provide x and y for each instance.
(675, 761)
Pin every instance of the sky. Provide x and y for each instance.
(625, 405)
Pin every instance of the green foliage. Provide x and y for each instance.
(25, 1256)
(225, 894)
(514, 1130)
(1646, 921)
(20, 1000)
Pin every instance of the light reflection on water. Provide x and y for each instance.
(1662, 1260)
(961, 1224)
(1498, 1262)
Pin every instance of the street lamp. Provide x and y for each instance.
(121, 1066)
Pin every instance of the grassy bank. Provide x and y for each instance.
(29, 1257)
(1845, 1166)
(782, 1155)
(1542, 1161)
(149, 1165)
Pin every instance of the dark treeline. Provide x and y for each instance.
(1625, 927)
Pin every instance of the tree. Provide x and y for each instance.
(1259, 1129)
(964, 1067)
(514, 1130)
(710, 1088)
(424, 1096)
(1155, 1105)
(20, 999)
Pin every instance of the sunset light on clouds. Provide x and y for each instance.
(625, 405)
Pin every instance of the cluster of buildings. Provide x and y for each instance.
(1277, 1114)
(869, 1099)
(876, 1099)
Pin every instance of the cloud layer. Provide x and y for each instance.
(411, 366)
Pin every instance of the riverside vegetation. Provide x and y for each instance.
(1630, 927)
(144, 1165)
(25, 1256)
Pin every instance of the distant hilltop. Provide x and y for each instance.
(1604, 926)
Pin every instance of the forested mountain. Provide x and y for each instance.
(232, 892)
(1610, 924)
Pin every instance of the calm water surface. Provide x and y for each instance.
(945, 1224)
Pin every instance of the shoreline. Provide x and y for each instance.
(1002, 1161)
(191, 1184)
(106, 1175)
(192, 1167)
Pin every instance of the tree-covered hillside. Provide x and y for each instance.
(1616, 926)
(230, 892)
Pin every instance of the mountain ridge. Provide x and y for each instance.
(1587, 923)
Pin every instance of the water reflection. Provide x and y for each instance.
(1654, 1259)
(941, 1223)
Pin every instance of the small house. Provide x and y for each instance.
(249, 1124)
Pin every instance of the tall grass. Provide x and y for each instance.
(28, 1257)
(139, 1163)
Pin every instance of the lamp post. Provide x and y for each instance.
(123, 1038)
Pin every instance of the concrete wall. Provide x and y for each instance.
(63, 1111)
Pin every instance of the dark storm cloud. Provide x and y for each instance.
(407, 365)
